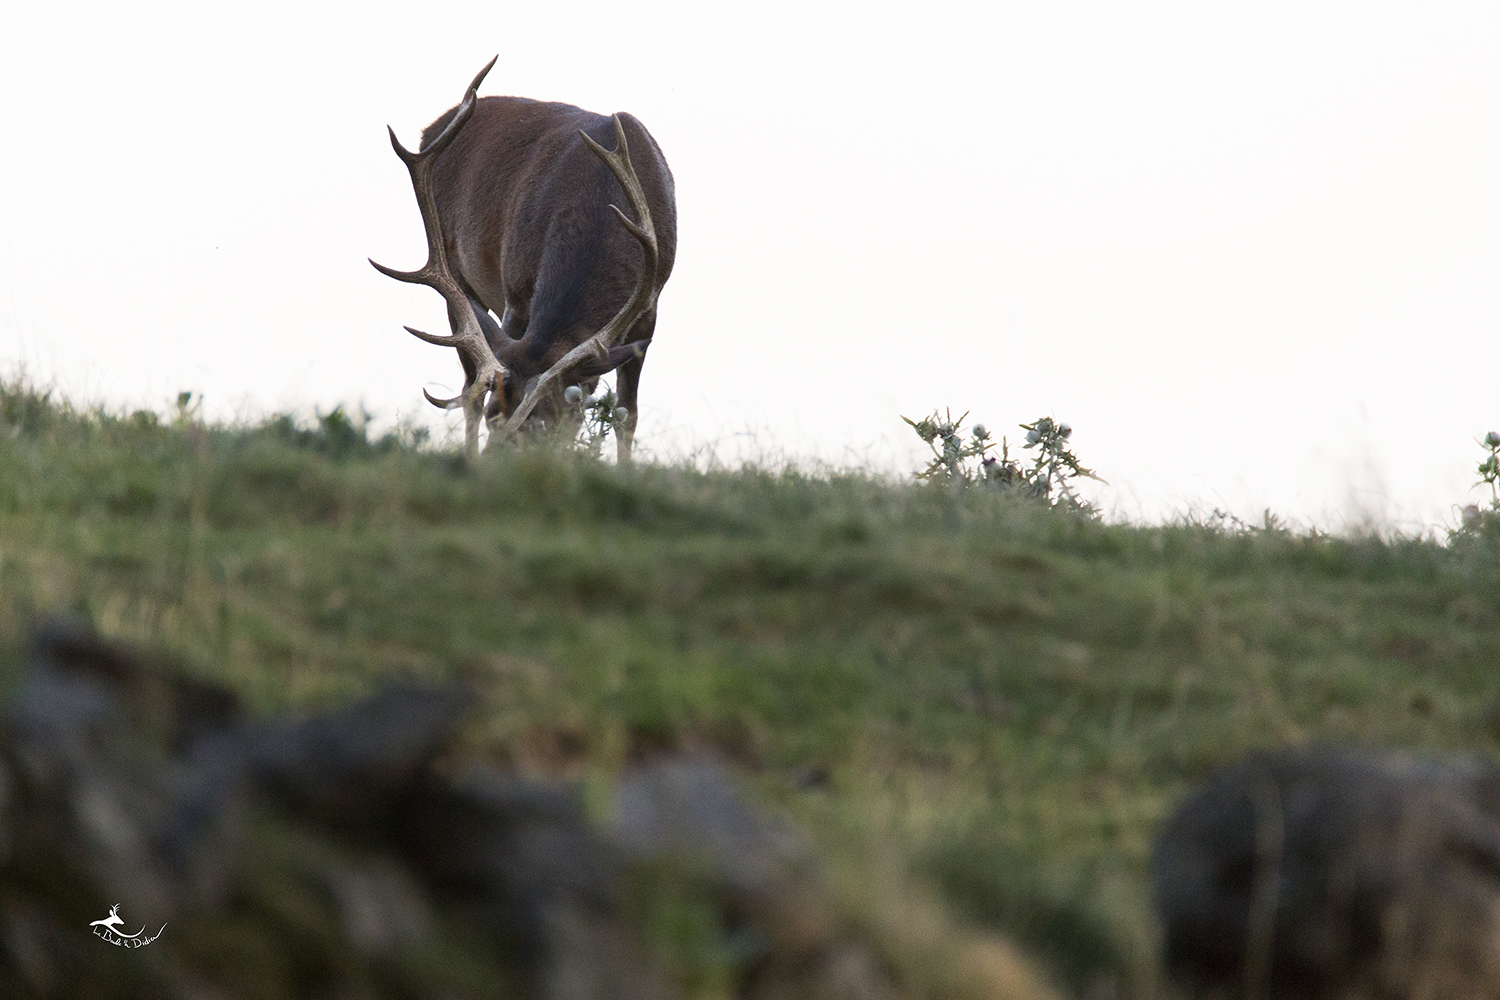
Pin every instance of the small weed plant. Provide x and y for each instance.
(962, 461)
(1223, 522)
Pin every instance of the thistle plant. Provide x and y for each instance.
(1473, 519)
(1489, 469)
(954, 460)
(1476, 539)
(1055, 466)
(598, 416)
(964, 461)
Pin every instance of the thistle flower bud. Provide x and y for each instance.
(1492, 439)
(573, 395)
(1033, 436)
(1064, 430)
(621, 414)
(980, 432)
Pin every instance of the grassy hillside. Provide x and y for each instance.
(965, 699)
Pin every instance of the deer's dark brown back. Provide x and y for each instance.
(525, 214)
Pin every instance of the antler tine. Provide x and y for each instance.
(596, 348)
(483, 370)
(432, 338)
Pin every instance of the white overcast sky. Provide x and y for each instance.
(1251, 252)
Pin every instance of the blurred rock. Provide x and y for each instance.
(335, 856)
(1326, 873)
(691, 809)
(688, 814)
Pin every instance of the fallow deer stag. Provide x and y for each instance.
(519, 200)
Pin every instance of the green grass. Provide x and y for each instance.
(1005, 701)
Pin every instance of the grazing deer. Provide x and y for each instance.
(520, 200)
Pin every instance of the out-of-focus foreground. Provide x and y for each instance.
(977, 712)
